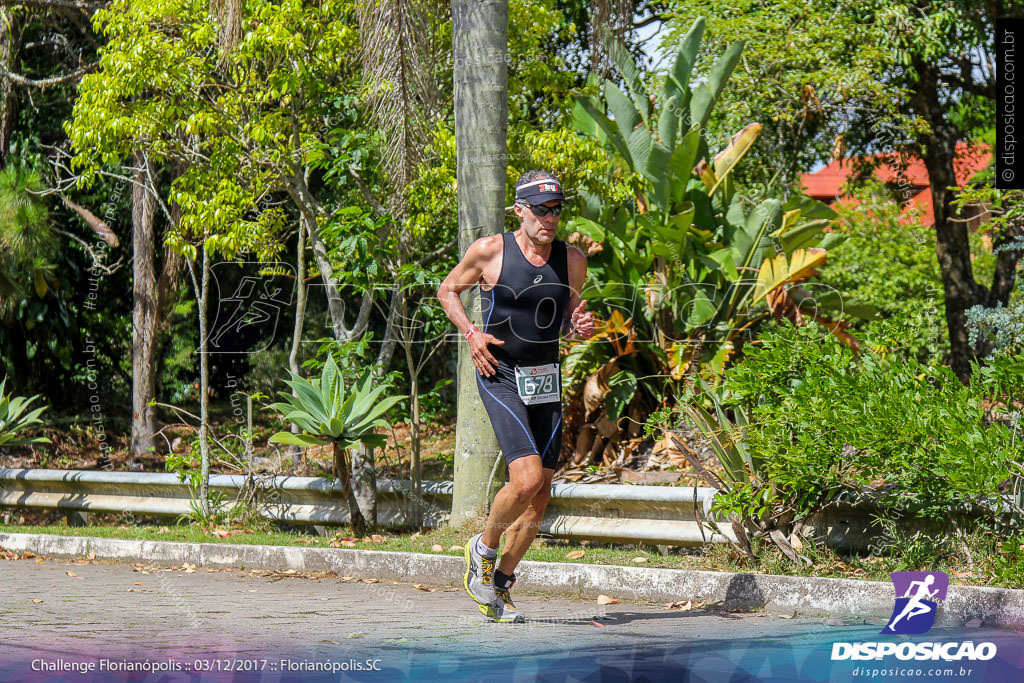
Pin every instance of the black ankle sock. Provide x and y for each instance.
(502, 580)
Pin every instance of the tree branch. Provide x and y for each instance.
(436, 254)
(46, 82)
(377, 207)
(84, 5)
(96, 262)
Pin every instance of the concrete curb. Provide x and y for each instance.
(779, 594)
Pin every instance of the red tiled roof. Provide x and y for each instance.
(827, 184)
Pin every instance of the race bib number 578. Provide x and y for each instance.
(539, 383)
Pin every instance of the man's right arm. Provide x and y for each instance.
(467, 273)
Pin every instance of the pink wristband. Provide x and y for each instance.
(470, 331)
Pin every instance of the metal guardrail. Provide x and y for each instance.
(601, 512)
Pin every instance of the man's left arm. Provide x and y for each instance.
(581, 321)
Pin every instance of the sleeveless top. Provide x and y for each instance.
(527, 305)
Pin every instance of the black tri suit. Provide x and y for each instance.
(526, 309)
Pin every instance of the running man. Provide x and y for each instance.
(530, 284)
(915, 606)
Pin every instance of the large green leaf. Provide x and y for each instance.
(677, 81)
(307, 397)
(701, 309)
(706, 93)
(681, 163)
(303, 440)
(622, 388)
(328, 376)
(591, 107)
(622, 111)
(803, 236)
(668, 122)
(631, 75)
(661, 182)
(640, 143)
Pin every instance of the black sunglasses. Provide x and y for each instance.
(540, 210)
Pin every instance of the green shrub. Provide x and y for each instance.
(825, 423)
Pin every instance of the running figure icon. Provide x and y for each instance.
(915, 607)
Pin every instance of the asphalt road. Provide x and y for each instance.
(197, 624)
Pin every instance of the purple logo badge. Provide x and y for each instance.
(916, 593)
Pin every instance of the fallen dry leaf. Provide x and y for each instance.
(92, 555)
(371, 580)
(597, 624)
(797, 544)
(786, 616)
(40, 560)
(639, 559)
(575, 554)
(138, 583)
(37, 600)
(70, 573)
(347, 543)
(426, 589)
(357, 634)
(437, 548)
(605, 600)
(455, 547)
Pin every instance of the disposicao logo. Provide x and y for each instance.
(914, 614)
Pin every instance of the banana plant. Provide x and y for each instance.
(14, 420)
(688, 266)
(328, 412)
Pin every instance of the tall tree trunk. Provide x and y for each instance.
(364, 470)
(344, 476)
(204, 388)
(9, 47)
(951, 241)
(479, 45)
(415, 466)
(300, 312)
(144, 308)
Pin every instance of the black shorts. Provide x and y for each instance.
(521, 429)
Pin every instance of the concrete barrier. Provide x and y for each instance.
(601, 512)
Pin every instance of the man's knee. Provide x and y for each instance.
(528, 485)
(541, 498)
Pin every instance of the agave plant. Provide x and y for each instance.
(328, 412)
(14, 419)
